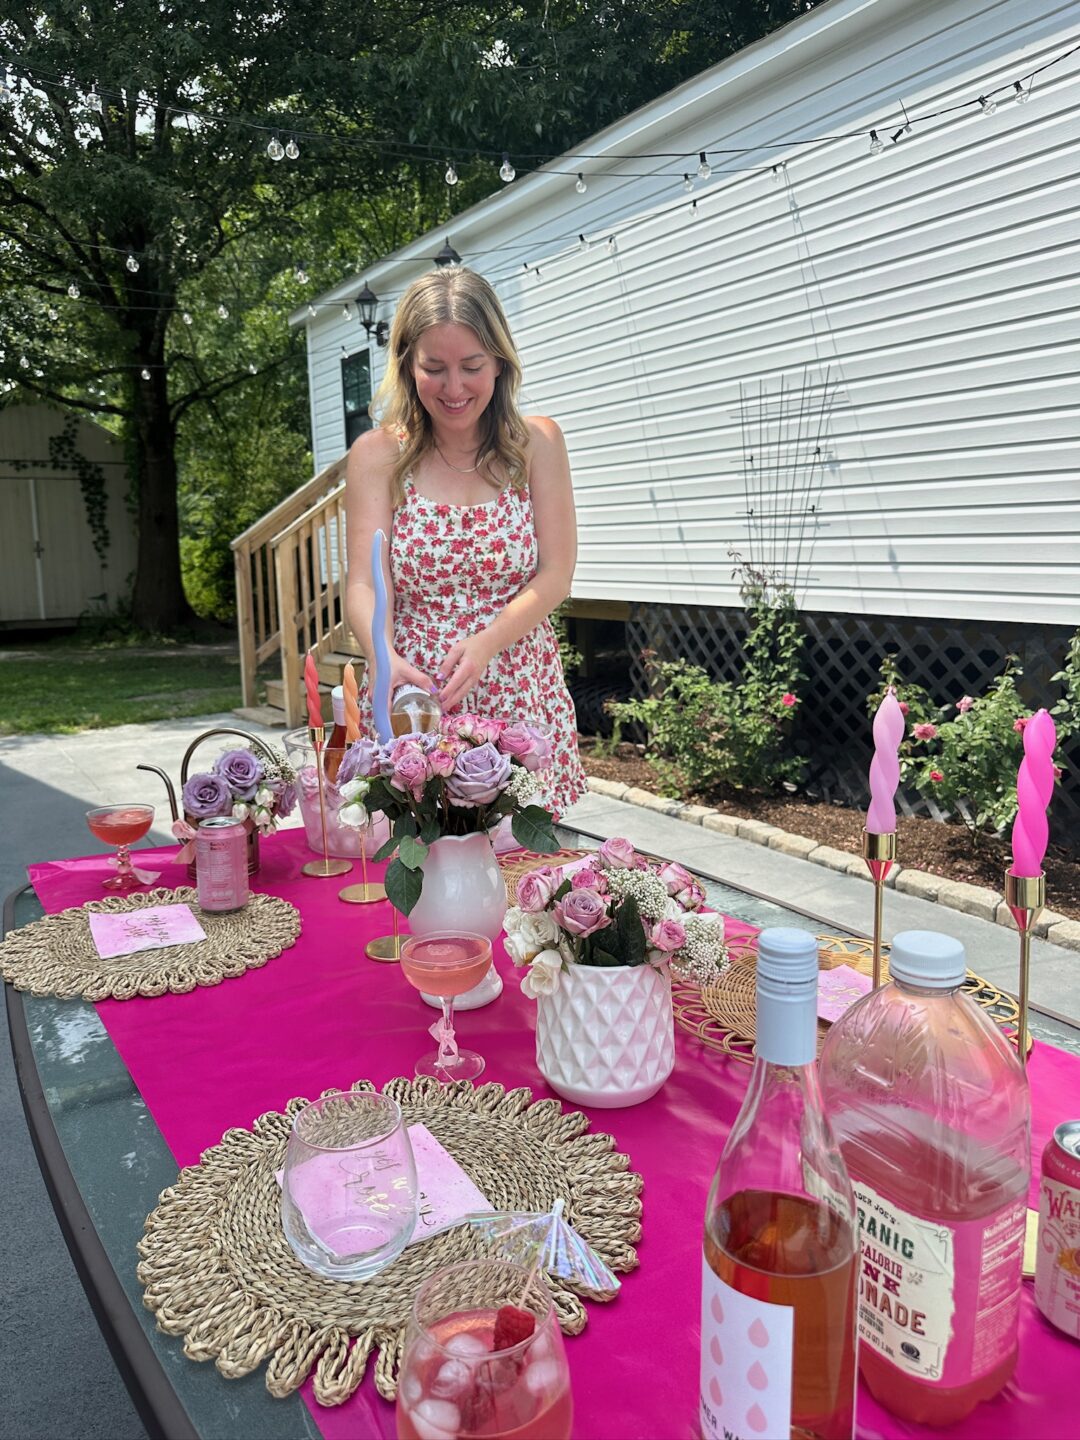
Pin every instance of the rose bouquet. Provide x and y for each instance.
(619, 909)
(465, 777)
(256, 788)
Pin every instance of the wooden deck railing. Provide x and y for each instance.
(258, 616)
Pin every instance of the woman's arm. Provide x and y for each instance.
(556, 533)
(368, 508)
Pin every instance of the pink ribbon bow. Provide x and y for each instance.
(443, 1034)
(183, 832)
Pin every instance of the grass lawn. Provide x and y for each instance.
(60, 688)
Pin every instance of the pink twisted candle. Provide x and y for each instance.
(1034, 789)
(311, 690)
(885, 766)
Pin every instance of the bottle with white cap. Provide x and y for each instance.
(931, 1108)
(781, 1250)
(335, 741)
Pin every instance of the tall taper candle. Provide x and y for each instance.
(352, 704)
(1034, 791)
(311, 687)
(885, 766)
(380, 693)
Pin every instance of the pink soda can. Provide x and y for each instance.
(1057, 1264)
(221, 864)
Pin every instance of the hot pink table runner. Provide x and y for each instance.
(322, 1014)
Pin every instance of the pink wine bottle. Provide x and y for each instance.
(781, 1252)
(930, 1105)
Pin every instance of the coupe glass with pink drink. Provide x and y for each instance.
(447, 964)
(122, 826)
(484, 1359)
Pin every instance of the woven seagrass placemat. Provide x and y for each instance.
(217, 1269)
(56, 955)
(723, 1015)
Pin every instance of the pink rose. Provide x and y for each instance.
(589, 879)
(410, 771)
(667, 935)
(535, 889)
(904, 708)
(789, 699)
(1020, 723)
(936, 776)
(517, 740)
(1058, 772)
(681, 885)
(581, 912)
(924, 732)
(441, 761)
(964, 704)
(617, 854)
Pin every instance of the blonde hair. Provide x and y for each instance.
(452, 296)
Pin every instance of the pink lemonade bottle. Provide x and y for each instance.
(931, 1109)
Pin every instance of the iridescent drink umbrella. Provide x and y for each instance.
(549, 1243)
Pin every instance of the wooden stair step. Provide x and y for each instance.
(269, 715)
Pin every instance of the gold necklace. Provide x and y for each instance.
(469, 471)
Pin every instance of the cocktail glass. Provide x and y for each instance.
(122, 826)
(484, 1357)
(446, 964)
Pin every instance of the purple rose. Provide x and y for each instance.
(617, 854)
(241, 771)
(361, 760)
(479, 777)
(206, 796)
(667, 935)
(535, 889)
(286, 802)
(581, 912)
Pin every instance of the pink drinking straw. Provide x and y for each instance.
(311, 685)
(885, 766)
(1034, 789)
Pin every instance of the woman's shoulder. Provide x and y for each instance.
(377, 447)
(543, 431)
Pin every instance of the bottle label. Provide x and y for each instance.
(939, 1301)
(747, 1353)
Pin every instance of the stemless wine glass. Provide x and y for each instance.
(484, 1357)
(447, 963)
(349, 1192)
(122, 826)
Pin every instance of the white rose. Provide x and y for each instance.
(240, 811)
(673, 911)
(353, 790)
(264, 797)
(539, 929)
(518, 948)
(512, 919)
(354, 815)
(543, 975)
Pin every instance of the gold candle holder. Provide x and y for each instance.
(879, 852)
(323, 869)
(368, 891)
(386, 948)
(1025, 896)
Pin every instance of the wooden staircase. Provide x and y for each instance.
(290, 599)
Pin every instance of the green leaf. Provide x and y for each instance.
(630, 931)
(405, 825)
(413, 853)
(386, 849)
(604, 958)
(564, 889)
(531, 827)
(430, 831)
(403, 886)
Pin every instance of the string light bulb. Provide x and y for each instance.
(583, 244)
(987, 104)
(292, 149)
(580, 187)
(704, 169)
(611, 246)
(693, 210)
(145, 373)
(1021, 96)
(275, 150)
(876, 143)
(778, 173)
(253, 369)
(132, 265)
(346, 311)
(94, 101)
(311, 312)
(451, 176)
(506, 170)
(53, 314)
(223, 312)
(687, 183)
(73, 290)
(5, 90)
(186, 317)
(301, 275)
(24, 362)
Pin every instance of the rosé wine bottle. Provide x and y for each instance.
(780, 1263)
(931, 1108)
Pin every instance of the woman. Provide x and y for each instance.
(478, 504)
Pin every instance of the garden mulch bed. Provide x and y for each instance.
(923, 844)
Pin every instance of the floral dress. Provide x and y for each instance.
(454, 568)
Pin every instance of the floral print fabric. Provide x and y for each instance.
(454, 568)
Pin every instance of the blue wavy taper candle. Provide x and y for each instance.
(380, 691)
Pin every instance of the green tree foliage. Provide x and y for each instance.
(130, 132)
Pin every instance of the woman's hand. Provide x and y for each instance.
(402, 673)
(462, 667)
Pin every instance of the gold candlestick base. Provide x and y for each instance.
(326, 868)
(366, 893)
(879, 852)
(1025, 896)
(386, 948)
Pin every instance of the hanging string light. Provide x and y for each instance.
(693, 210)
(301, 275)
(73, 290)
(506, 170)
(687, 183)
(583, 244)
(275, 149)
(223, 312)
(53, 314)
(778, 172)
(145, 373)
(876, 143)
(704, 169)
(292, 149)
(987, 104)
(1020, 95)
(186, 317)
(451, 176)
(132, 264)
(580, 187)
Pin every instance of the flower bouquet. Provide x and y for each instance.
(259, 790)
(620, 909)
(462, 779)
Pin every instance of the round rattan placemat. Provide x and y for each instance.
(56, 955)
(520, 862)
(723, 1015)
(217, 1269)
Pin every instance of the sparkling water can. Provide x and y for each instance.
(221, 864)
(1057, 1264)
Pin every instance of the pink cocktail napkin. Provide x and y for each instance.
(155, 928)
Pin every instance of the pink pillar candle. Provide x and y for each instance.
(885, 766)
(1034, 789)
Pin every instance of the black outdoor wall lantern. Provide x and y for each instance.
(447, 255)
(366, 302)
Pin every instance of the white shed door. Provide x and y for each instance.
(72, 572)
(19, 598)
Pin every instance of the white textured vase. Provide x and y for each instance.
(463, 891)
(607, 1036)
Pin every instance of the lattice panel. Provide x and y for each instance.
(841, 659)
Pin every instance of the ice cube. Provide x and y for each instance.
(452, 1380)
(542, 1377)
(410, 1389)
(465, 1344)
(436, 1420)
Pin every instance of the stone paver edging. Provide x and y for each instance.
(976, 900)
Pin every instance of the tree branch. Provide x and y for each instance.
(47, 393)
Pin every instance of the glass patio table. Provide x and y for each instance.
(105, 1162)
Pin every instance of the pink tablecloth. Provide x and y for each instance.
(322, 1014)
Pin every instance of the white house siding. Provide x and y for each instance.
(935, 285)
